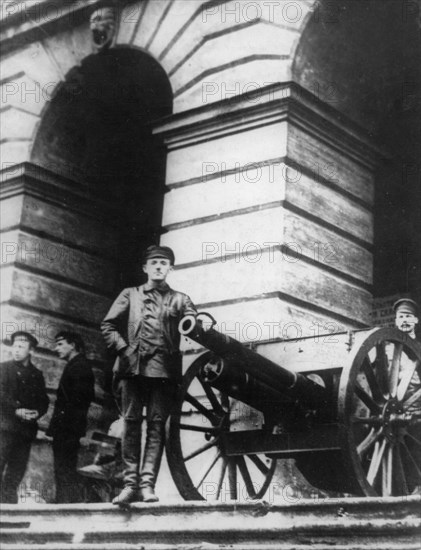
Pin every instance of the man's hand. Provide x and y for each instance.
(124, 355)
(27, 415)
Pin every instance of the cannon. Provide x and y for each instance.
(345, 406)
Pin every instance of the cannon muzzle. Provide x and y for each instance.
(238, 358)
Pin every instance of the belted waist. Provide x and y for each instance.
(146, 351)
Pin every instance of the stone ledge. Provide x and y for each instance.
(275, 102)
(345, 522)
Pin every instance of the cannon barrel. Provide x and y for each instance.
(221, 374)
(237, 357)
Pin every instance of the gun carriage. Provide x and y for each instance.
(344, 406)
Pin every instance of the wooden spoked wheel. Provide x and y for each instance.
(194, 444)
(380, 414)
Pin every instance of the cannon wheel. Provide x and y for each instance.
(199, 466)
(379, 414)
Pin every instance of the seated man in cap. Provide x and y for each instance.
(406, 320)
(23, 399)
(142, 327)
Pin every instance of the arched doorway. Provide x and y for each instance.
(364, 59)
(97, 130)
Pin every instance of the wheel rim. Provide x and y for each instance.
(199, 465)
(380, 414)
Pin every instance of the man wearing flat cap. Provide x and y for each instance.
(406, 316)
(23, 400)
(142, 328)
(68, 422)
(406, 320)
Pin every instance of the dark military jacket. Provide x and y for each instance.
(74, 395)
(21, 388)
(145, 320)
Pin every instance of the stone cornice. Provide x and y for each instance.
(34, 180)
(274, 103)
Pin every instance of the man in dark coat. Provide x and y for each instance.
(68, 424)
(406, 320)
(23, 400)
(142, 328)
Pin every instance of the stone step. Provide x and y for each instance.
(355, 523)
(409, 544)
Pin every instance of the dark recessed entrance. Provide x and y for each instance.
(98, 130)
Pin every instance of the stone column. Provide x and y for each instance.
(269, 209)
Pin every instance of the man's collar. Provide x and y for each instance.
(162, 287)
(74, 357)
(21, 364)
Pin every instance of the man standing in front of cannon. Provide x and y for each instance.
(142, 327)
(23, 400)
(406, 320)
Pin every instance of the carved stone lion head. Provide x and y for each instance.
(103, 27)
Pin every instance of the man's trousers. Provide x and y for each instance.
(66, 449)
(157, 395)
(14, 456)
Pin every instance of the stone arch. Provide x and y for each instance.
(213, 51)
(124, 79)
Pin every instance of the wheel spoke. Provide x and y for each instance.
(414, 462)
(213, 400)
(371, 379)
(225, 402)
(405, 381)
(367, 399)
(376, 460)
(259, 464)
(221, 478)
(368, 442)
(202, 409)
(201, 449)
(246, 476)
(368, 421)
(414, 439)
(387, 460)
(412, 399)
(382, 367)
(394, 371)
(232, 478)
(212, 464)
(400, 478)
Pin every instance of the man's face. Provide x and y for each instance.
(157, 269)
(406, 321)
(64, 349)
(21, 349)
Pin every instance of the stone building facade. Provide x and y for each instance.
(273, 144)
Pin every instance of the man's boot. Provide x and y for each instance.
(127, 495)
(151, 460)
(130, 452)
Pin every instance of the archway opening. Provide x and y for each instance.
(98, 130)
(364, 58)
